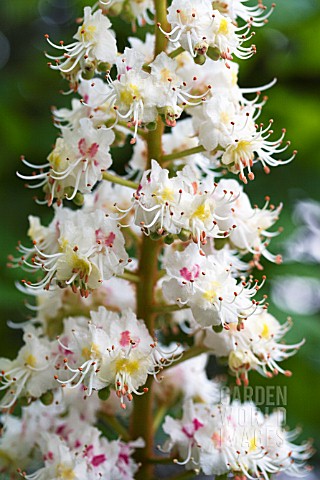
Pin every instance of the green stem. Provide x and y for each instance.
(131, 277)
(161, 17)
(176, 52)
(112, 422)
(158, 308)
(142, 416)
(161, 411)
(119, 180)
(183, 153)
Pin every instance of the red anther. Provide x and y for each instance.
(146, 390)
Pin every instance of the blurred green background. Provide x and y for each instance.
(288, 48)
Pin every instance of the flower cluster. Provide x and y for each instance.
(234, 438)
(77, 249)
(64, 443)
(154, 248)
(254, 344)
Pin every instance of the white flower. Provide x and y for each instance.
(254, 344)
(145, 48)
(109, 350)
(76, 163)
(197, 27)
(16, 444)
(169, 205)
(235, 439)
(88, 106)
(207, 287)
(60, 461)
(228, 38)
(30, 374)
(94, 43)
(78, 249)
(257, 15)
(252, 233)
(183, 432)
(107, 197)
(226, 126)
(136, 10)
(132, 94)
(171, 89)
(133, 356)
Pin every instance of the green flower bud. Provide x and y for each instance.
(104, 66)
(200, 59)
(169, 239)
(155, 236)
(217, 328)
(213, 53)
(104, 393)
(78, 199)
(184, 235)
(47, 397)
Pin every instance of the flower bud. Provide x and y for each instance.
(103, 67)
(88, 70)
(184, 235)
(169, 239)
(217, 328)
(47, 397)
(155, 236)
(213, 53)
(200, 59)
(104, 394)
(78, 199)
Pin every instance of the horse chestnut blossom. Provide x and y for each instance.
(178, 205)
(87, 106)
(76, 249)
(232, 129)
(30, 374)
(95, 44)
(148, 274)
(109, 350)
(254, 345)
(208, 288)
(76, 163)
(235, 438)
(257, 14)
(201, 30)
(252, 233)
(61, 447)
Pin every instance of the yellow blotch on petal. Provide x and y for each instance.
(31, 361)
(224, 27)
(127, 365)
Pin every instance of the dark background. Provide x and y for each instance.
(288, 48)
